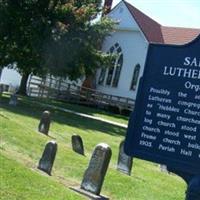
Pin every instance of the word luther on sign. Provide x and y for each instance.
(165, 125)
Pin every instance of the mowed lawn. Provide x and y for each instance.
(22, 145)
(85, 109)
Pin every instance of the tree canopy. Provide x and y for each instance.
(60, 37)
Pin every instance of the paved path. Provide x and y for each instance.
(84, 115)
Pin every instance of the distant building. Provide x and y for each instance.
(10, 77)
(132, 36)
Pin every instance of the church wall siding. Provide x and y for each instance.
(134, 49)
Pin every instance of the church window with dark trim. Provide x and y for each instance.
(0, 73)
(136, 73)
(119, 64)
(104, 70)
(102, 76)
(114, 71)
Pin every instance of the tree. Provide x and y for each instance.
(61, 37)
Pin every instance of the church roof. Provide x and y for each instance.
(174, 35)
(156, 33)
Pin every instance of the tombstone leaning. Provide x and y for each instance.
(125, 162)
(45, 121)
(95, 173)
(77, 144)
(48, 157)
(13, 100)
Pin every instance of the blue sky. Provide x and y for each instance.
(180, 13)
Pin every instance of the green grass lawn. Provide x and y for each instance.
(21, 148)
(86, 110)
(19, 182)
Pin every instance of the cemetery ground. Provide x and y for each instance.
(21, 147)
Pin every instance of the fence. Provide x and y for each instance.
(60, 89)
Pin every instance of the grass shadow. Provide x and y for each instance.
(28, 108)
(86, 109)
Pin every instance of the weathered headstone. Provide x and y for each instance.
(48, 157)
(13, 100)
(163, 168)
(77, 144)
(45, 122)
(96, 171)
(125, 162)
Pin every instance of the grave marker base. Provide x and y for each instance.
(125, 162)
(89, 194)
(124, 171)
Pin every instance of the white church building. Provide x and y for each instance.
(131, 38)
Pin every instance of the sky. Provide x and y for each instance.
(178, 13)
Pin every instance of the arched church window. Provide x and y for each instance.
(116, 45)
(111, 68)
(102, 76)
(119, 63)
(0, 73)
(114, 71)
(111, 49)
(103, 70)
(109, 76)
(135, 77)
(119, 50)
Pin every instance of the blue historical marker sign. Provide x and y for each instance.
(165, 125)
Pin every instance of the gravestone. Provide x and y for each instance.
(45, 122)
(125, 162)
(163, 168)
(165, 126)
(48, 157)
(77, 144)
(95, 173)
(13, 100)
